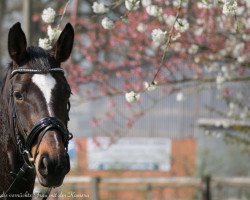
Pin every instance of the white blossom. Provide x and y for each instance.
(227, 71)
(229, 7)
(244, 113)
(141, 27)
(176, 36)
(177, 3)
(198, 31)
(224, 69)
(204, 4)
(213, 67)
(44, 43)
(240, 10)
(107, 23)
(132, 4)
(167, 3)
(146, 3)
(169, 19)
(197, 59)
(53, 33)
(158, 36)
(200, 21)
(150, 86)
(247, 23)
(248, 3)
(181, 25)
(232, 105)
(154, 10)
(220, 79)
(193, 49)
(177, 47)
(234, 109)
(132, 96)
(99, 8)
(242, 58)
(246, 37)
(238, 48)
(48, 15)
(179, 97)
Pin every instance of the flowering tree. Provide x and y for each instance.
(133, 47)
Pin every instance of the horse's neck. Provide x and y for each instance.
(11, 159)
(5, 152)
(8, 151)
(7, 142)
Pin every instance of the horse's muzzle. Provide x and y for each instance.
(51, 171)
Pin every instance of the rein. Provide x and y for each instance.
(25, 141)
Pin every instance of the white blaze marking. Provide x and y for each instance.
(46, 84)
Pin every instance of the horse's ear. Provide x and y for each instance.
(17, 43)
(64, 44)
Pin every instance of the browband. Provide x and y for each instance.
(34, 71)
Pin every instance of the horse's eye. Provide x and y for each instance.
(18, 95)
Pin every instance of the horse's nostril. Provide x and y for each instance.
(43, 166)
(48, 167)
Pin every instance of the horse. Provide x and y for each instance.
(34, 113)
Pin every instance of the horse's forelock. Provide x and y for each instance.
(40, 59)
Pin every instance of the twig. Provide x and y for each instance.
(64, 11)
(163, 59)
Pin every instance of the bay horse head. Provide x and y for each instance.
(39, 102)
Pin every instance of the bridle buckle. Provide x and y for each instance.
(28, 158)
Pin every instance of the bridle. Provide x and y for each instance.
(37, 132)
(41, 127)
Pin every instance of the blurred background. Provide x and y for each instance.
(187, 137)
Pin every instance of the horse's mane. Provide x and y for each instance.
(4, 122)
